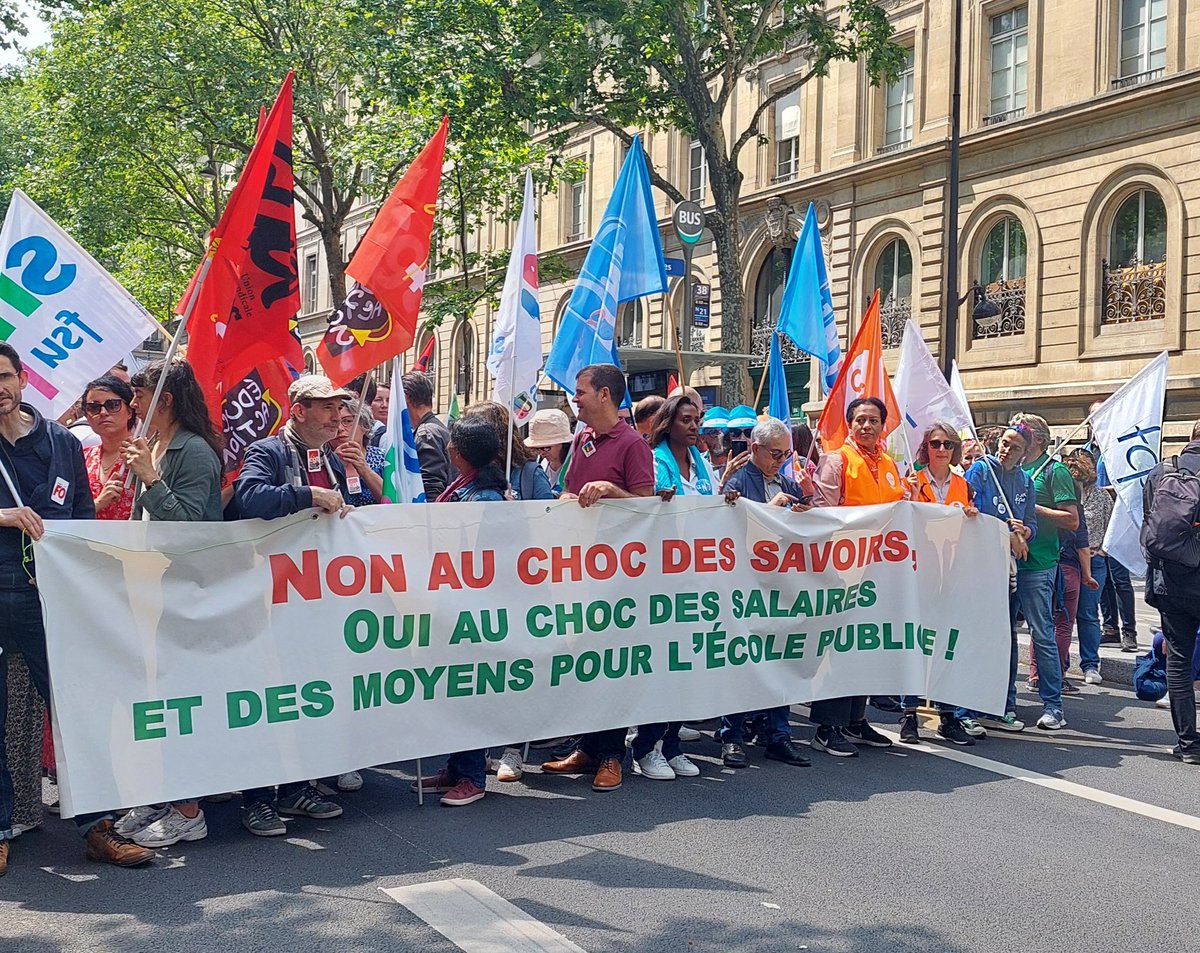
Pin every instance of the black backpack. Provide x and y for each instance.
(1170, 530)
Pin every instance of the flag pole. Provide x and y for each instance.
(1058, 445)
(762, 380)
(678, 344)
(512, 424)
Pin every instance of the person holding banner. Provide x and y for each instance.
(859, 473)
(363, 460)
(43, 478)
(108, 406)
(526, 477)
(609, 460)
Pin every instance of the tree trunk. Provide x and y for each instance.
(331, 241)
(726, 188)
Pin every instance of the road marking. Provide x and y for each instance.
(303, 842)
(1056, 784)
(73, 878)
(478, 920)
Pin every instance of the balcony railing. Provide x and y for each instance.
(760, 345)
(895, 147)
(1136, 79)
(893, 315)
(1009, 296)
(1135, 292)
(997, 118)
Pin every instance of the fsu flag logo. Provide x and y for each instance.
(251, 411)
(359, 321)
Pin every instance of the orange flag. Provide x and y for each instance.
(389, 269)
(862, 375)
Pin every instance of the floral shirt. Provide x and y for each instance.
(121, 508)
(1097, 509)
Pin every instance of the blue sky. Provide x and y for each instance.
(38, 34)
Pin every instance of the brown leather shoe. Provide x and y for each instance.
(107, 846)
(577, 762)
(608, 775)
(3, 857)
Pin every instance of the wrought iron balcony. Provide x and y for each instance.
(1009, 296)
(1135, 292)
(893, 315)
(760, 346)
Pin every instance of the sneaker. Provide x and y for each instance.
(608, 775)
(1110, 636)
(952, 730)
(908, 730)
(654, 766)
(973, 728)
(170, 829)
(1164, 702)
(689, 734)
(133, 821)
(733, 755)
(1187, 757)
(1069, 687)
(684, 767)
(463, 793)
(105, 845)
(508, 768)
(308, 803)
(1052, 721)
(350, 781)
(1010, 722)
(831, 740)
(1092, 677)
(262, 820)
(887, 703)
(861, 733)
(1032, 686)
(439, 783)
(787, 752)
(1129, 643)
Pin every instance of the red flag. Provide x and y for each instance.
(252, 408)
(390, 266)
(672, 383)
(246, 308)
(426, 357)
(862, 375)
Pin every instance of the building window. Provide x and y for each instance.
(787, 137)
(431, 370)
(697, 172)
(310, 283)
(310, 361)
(898, 108)
(1010, 57)
(893, 278)
(577, 211)
(464, 361)
(1143, 40)
(1135, 272)
(631, 320)
(1002, 273)
(768, 298)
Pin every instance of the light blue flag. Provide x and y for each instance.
(402, 481)
(625, 261)
(806, 315)
(778, 406)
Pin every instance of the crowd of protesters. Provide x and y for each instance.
(326, 457)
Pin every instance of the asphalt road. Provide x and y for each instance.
(896, 851)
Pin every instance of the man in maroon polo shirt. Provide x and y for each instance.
(609, 461)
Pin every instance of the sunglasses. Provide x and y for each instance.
(112, 405)
(943, 444)
(778, 455)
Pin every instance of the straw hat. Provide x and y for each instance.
(547, 428)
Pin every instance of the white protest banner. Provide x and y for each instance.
(218, 657)
(67, 317)
(1128, 429)
(924, 395)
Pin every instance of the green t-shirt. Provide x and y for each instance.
(1055, 487)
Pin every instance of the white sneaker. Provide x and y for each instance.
(630, 736)
(170, 829)
(19, 829)
(140, 817)
(689, 734)
(1052, 721)
(1092, 677)
(683, 767)
(508, 768)
(350, 781)
(973, 728)
(1164, 702)
(654, 766)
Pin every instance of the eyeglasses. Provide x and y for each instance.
(778, 455)
(942, 444)
(112, 405)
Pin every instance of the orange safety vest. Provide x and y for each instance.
(859, 486)
(959, 493)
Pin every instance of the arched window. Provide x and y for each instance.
(1135, 272)
(768, 297)
(432, 367)
(631, 321)
(310, 361)
(464, 361)
(1002, 273)
(894, 278)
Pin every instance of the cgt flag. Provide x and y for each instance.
(389, 271)
(426, 358)
(255, 407)
(245, 310)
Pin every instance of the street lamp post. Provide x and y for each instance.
(951, 286)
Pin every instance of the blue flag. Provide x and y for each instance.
(806, 315)
(625, 261)
(778, 406)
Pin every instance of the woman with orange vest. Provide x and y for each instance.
(859, 473)
(940, 451)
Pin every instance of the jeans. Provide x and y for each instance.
(650, 735)
(910, 703)
(1065, 609)
(1087, 619)
(1117, 602)
(22, 631)
(839, 712)
(1180, 619)
(777, 721)
(1035, 597)
(471, 765)
(605, 744)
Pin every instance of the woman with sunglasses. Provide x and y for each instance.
(108, 406)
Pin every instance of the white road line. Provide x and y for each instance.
(1118, 801)
(478, 920)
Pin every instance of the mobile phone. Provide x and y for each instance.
(738, 446)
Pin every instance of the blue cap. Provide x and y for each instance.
(742, 418)
(716, 418)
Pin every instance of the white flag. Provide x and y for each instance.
(402, 469)
(1128, 429)
(515, 358)
(67, 317)
(923, 395)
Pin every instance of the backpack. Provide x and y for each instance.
(1150, 677)
(1169, 528)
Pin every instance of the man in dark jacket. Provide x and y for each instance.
(432, 436)
(42, 477)
(762, 481)
(287, 473)
(1174, 590)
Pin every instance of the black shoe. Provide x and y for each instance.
(733, 755)
(908, 729)
(952, 730)
(1129, 643)
(1187, 757)
(787, 752)
(861, 733)
(566, 749)
(888, 703)
(1110, 637)
(831, 740)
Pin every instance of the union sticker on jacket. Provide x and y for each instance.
(59, 493)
